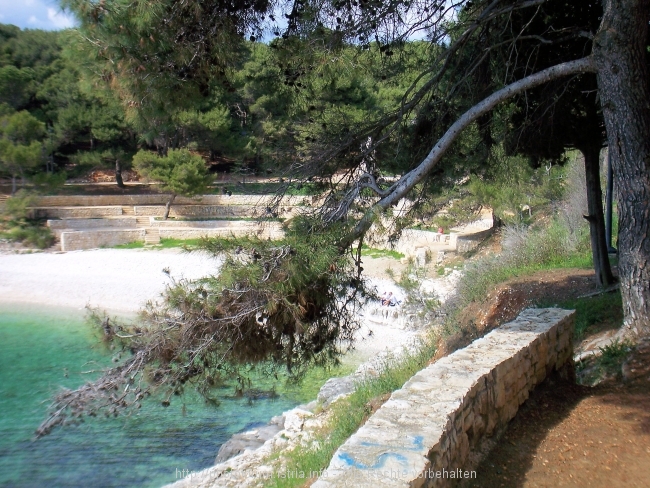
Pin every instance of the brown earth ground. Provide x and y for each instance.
(567, 434)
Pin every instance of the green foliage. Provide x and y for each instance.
(592, 370)
(16, 208)
(613, 355)
(180, 172)
(30, 235)
(20, 149)
(530, 250)
(49, 183)
(16, 224)
(277, 307)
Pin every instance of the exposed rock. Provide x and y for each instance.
(251, 440)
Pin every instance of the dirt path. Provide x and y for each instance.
(575, 436)
(567, 435)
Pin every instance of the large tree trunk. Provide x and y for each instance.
(118, 174)
(595, 216)
(168, 206)
(623, 85)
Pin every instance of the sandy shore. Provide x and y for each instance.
(121, 281)
(118, 280)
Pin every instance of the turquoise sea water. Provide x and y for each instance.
(42, 349)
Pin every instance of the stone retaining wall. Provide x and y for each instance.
(76, 212)
(267, 231)
(202, 224)
(471, 242)
(425, 433)
(162, 199)
(80, 224)
(60, 226)
(199, 211)
(76, 241)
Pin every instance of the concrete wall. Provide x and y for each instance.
(424, 434)
(75, 241)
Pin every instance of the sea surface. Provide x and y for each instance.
(43, 349)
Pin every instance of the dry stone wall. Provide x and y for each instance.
(425, 434)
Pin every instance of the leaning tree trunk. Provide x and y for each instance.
(595, 215)
(168, 206)
(118, 174)
(623, 85)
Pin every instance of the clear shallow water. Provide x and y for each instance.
(38, 348)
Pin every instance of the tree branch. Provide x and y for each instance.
(413, 177)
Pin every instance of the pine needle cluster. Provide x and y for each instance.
(276, 306)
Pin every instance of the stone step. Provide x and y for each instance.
(143, 221)
(128, 210)
(152, 235)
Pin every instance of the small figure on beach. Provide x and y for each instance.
(388, 300)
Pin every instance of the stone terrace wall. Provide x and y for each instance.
(273, 231)
(199, 211)
(77, 212)
(424, 434)
(74, 224)
(76, 241)
(161, 199)
(60, 226)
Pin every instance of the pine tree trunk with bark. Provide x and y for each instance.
(118, 174)
(596, 217)
(168, 206)
(623, 85)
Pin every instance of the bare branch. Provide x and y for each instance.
(413, 177)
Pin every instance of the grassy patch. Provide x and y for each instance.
(169, 243)
(130, 245)
(164, 244)
(348, 414)
(594, 314)
(380, 253)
